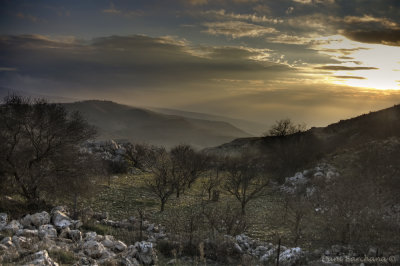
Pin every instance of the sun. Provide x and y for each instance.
(384, 59)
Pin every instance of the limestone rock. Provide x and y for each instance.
(119, 246)
(145, 253)
(60, 220)
(94, 249)
(41, 258)
(41, 218)
(3, 220)
(13, 227)
(75, 235)
(47, 231)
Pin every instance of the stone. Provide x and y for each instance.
(26, 222)
(60, 220)
(7, 241)
(47, 231)
(13, 227)
(3, 220)
(108, 241)
(27, 232)
(41, 258)
(39, 219)
(93, 249)
(260, 251)
(291, 256)
(75, 235)
(145, 253)
(237, 248)
(119, 246)
(22, 242)
(90, 236)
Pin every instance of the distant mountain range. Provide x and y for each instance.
(254, 128)
(122, 122)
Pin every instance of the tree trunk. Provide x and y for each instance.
(279, 251)
(297, 228)
(243, 208)
(75, 206)
(162, 205)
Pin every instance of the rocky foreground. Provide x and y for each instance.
(30, 240)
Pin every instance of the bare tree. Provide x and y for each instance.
(139, 155)
(244, 179)
(213, 178)
(162, 182)
(187, 165)
(285, 127)
(34, 137)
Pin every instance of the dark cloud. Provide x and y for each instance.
(345, 68)
(387, 37)
(136, 62)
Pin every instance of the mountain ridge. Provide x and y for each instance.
(123, 122)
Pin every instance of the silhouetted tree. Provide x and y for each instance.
(285, 127)
(35, 138)
(244, 178)
(162, 182)
(187, 165)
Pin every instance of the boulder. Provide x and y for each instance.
(22, 242)
(3, 220)
(39, 219)
(119, 246)
(75, 235)
(60, 220)
(237, 248)
(90, 236)
(94, 249)
(108, 241)
(26, 222)
(41, 258)
(145, 253)
(13, 227)
(47, 231)
(7, 241)
(291, 256)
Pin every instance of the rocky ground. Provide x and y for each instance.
(54, 238)
(30, 240)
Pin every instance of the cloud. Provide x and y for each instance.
(343, 51)
(370, 19)
(344, 68)
(309, 2)
(349, 77)
(386, 37)
(29, 17)
(132, 62)
(237, 29)
(8, 69)
(222, 14)
(126, 13)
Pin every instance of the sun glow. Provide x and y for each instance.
(353, 54)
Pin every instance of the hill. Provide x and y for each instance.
(122, 122)
(304, 148)
(254, 128)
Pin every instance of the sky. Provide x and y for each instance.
(314, 61)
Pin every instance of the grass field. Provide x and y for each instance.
(128, 193)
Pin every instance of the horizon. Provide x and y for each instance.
(315, 62)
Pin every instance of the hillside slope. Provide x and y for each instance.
(122, 122)
(345, 133)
